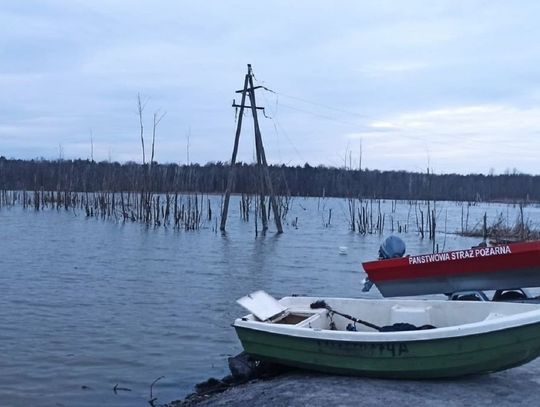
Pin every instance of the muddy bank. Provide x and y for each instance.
(514, 387)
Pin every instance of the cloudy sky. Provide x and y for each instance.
(402, 84)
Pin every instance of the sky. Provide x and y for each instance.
(453, 86)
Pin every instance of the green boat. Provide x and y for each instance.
(401, 339)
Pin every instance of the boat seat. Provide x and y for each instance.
(416, 315)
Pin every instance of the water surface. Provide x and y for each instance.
(87, 304)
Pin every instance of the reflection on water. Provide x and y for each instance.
(87, 304)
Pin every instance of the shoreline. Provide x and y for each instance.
(515, 387)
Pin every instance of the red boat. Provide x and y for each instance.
(479, 268)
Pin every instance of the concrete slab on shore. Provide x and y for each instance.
(514, 387)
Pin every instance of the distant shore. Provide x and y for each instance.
(78, 175)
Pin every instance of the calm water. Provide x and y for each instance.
(86, 304)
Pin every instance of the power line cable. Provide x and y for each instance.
(274, 114)
(427, 137)
(304, 100)
(276, 123)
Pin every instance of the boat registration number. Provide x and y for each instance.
(394, 349)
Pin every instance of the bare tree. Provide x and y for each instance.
(140, 108)
(157, 118)
(188, 135)
(360, 156)
(91, 146)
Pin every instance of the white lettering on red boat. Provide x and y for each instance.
(460, 254)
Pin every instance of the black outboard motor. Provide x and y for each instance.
(391, 248)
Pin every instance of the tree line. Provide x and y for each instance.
(90, 176)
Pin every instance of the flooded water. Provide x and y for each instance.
(87, 304)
